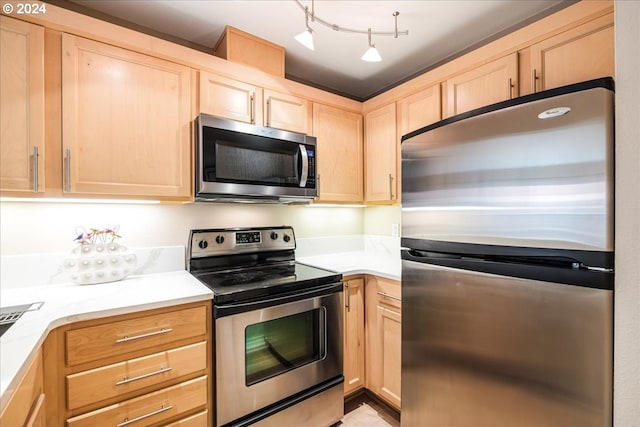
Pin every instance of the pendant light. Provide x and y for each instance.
(305, 38)
(371, 54)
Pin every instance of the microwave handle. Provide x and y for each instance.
(305, 165)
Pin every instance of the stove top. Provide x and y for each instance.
(251, 264)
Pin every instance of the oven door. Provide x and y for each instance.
(271, 350)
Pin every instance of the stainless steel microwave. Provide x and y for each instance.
(237, 161)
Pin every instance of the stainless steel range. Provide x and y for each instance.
(278, 329)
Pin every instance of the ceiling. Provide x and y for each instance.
(438, 30)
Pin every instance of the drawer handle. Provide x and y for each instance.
(126, 380)
(128, 421)
(386, 295)
(150, 334)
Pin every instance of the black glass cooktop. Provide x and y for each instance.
(249, 283)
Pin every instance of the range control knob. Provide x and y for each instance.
(203, 244)
(286, 238)
(219, 239)
(274, 235)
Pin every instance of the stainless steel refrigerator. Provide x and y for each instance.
(507, 264)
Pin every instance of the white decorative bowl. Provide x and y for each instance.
(100, 263)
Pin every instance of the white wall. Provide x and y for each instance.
(27, 228)
(626, 367)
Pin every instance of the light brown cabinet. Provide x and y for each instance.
(354, 337)
(27, 404)
(236, 100)
(486, 84)
(126, 122)
(420, 109)
(384, 338)
(340, 151)
(582, 53)
(381, 156)
(22, 156)
(145, 368)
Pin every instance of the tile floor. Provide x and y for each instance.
(365, 412)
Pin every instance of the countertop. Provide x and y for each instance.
(358, 262)
(67, 303)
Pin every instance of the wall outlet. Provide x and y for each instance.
(395, 230)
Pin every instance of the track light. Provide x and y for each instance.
(371, 54)
(305, 38)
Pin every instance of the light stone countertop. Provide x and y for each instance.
(358, 262)
(68, 302)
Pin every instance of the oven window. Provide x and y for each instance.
(281, 345)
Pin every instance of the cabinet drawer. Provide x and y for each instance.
(197, 420)
(111, 339)
(148, 409)
(109, 381)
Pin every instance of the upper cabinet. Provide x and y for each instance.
(288, 112)
(486, 84)
(22, 104)
(381, 155)
(230, 99)
(339, 139)
(420, 109)
(583, 53)
(125, 122)
(235, 100)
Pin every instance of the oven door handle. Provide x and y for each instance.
(243, 307)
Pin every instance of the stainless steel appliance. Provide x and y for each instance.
(278, 329)
(507, 264)
(241, 161)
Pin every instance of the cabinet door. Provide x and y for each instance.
(230, 99)
(126, 122)
(22, 106)
(420, 109)
(583, 53)
(487, 84)
(381, 151)
(383, 331)
(353, 335)
(287, 112)
(26, 405)
(339, 139)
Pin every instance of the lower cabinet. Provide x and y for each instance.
(148, 368)
(383, 331)
(354, 338)
(27, 404)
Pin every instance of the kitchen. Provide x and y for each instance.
(168, 225)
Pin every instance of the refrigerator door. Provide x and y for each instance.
(536, 171)
(482, 349)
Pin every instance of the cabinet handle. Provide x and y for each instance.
(510, 88)
(386, 295)
(534, 79)
(126, 380)
(67, 171)
(128, 421)
(268, 112)
(348, 298)
(150, 334)
(390, 187)
(252, 108)
(35, 413)
(35, 169)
